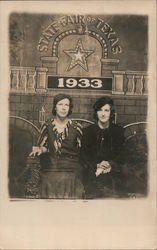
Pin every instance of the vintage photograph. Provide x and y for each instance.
(78, 106)
(78, 125)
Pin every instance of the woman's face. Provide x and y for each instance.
(104, 113)
(62, 108)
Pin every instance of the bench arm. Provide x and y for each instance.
(33, 183)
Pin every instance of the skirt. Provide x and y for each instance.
(61, 185)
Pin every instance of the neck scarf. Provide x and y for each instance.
(59, 137)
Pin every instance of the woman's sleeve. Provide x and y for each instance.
(119, 140)
(88, 159)
(87, 156)
(118, 149)
(79, 135)
(43, 137)
(84, 151)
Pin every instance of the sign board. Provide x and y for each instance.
(93, 83)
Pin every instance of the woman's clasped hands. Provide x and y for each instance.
(103, 167)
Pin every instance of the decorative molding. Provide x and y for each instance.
(93, 34)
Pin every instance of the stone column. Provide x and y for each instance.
(41, 79)
(108, 65)
(118, 82)
(50, 62)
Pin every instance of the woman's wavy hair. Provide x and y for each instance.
(100, 103)
(60, 97)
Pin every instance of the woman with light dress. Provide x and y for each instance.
(59, 148)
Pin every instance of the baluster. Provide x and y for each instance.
(31, 80)
(145, 85)
(18, 80)
(139, 84)
(142, 84)
(125, 84)
(35, 80)
(11, 79)
(27, 78)
(130, 84)
(14, 83)
(20, 84)
(24, 78)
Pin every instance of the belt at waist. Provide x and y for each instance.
(62, 164)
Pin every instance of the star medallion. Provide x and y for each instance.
(78, 56)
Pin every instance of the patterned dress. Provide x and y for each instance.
(60, 167)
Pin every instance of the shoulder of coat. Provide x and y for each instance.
(90, 129)
(117, 128)
(76, 124)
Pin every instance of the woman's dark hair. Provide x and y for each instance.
(58, 98)
(100, 103)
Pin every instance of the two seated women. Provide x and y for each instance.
(76, 162)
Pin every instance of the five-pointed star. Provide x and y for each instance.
(78, 56)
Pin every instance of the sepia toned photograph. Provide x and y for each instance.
(78, 112)
(78, 99)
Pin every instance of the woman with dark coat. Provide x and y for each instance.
(101, 145)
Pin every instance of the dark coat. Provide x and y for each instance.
(98, 145)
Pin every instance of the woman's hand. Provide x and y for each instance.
(98, 171)
(36, 151)
(103, 168)
(106, 166)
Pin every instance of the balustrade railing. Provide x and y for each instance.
(34, 79)
(22, 79)
(137, 83)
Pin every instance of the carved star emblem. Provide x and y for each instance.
(78, 56)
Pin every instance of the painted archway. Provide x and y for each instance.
(90, 47)
(93, 34)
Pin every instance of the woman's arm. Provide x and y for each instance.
(118, 144)
(42, 144)
(36, 151)
(88, 153)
